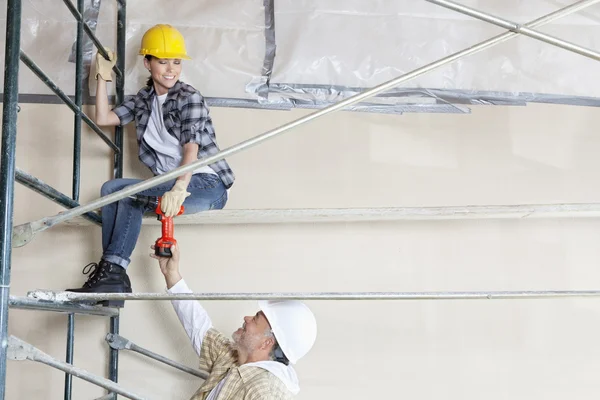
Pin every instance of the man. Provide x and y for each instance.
(255, 365)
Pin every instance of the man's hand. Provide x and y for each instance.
(171, 201)
(169, 266)
(104, 67)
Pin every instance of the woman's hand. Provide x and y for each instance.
(103, 66)
(171, 201)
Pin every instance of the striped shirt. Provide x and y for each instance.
(186, 117)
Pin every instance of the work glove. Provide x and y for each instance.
(171, 201)
(104, 67)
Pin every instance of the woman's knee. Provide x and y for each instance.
(112, 186)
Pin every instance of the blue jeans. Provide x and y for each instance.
(122, 220)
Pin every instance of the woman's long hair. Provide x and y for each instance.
(150, 81)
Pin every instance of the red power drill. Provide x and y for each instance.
(162, 246)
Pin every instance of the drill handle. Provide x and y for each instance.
(167, 227)
(163, 244)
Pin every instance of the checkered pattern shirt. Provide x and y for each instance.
(186, 118)
(244, 382)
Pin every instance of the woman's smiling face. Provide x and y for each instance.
(164, 72)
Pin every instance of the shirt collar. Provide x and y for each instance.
(248, 372)
(286, 374)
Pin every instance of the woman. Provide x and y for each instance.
(173, 129)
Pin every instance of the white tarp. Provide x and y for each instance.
(346, 43)
(225, 39)
(360, 43)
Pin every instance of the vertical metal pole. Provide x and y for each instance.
(69, 358)
(121, 35)
(76, 175)
(7, 170)
(113, 359)
(78, 102)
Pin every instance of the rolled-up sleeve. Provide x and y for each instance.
(125, 111)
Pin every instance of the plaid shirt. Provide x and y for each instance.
(186, 118)
(244, 382)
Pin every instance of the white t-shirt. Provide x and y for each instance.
(168, 149)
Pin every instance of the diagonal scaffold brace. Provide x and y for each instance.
(19, 350)
(118, 342)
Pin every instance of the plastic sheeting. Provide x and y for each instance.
(324, 46)
(357, 43)
(225, 39)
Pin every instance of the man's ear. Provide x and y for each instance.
(269, 342)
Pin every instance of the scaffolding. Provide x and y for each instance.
(74, 303)
(9, 173)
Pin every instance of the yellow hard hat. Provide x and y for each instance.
(163, 41)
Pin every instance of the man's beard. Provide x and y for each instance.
(244, 343)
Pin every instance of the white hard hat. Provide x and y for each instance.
(293, 324)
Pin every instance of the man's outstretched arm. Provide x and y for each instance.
(191, 314)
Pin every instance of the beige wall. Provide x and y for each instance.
(463, 350)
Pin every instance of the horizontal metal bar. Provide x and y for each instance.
(25, 303)
(491, 295)
(66, 99)
(49, 192)
(417, 96)
(455, 96)
(19, 350)
(293, 104)
(501, 22)
(332, 215)
(118, 342)
(24, 233)
(33, 98)
(89, 32)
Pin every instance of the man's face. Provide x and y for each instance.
(253, 332)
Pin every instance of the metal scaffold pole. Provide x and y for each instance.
(118, 342)
(475, 295)
(7, 170)
(120, 82)
(522, 29)
(20, 350)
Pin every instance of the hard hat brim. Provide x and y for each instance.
(165, 55)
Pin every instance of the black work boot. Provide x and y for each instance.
(105, 277)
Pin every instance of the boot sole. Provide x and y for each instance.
(114, 303)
